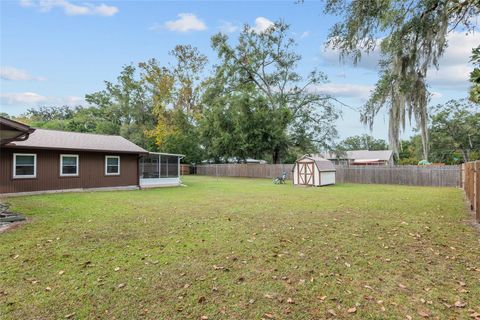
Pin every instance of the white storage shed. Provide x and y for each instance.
(313, 171)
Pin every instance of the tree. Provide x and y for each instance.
(242, 128)
(175, 94)
(475, 76)
(263, 65)
(125, 105)
(410, 151)
(455, 127)
(412, 36)
(363, 142)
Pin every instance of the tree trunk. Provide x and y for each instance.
(465, 155)
(276, 156)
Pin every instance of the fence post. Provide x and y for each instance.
(477, 189)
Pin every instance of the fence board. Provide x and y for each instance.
(439, 176)
(471, 185)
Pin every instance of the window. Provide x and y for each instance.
(24, 165)
(68, 165)
(112, 165)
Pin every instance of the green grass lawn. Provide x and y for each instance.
(238, 248)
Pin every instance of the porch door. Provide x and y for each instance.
(305, 173)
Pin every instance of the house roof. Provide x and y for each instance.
(384, 155)
(11, 130)
(64, 140)
(322, 164)
(380, 155)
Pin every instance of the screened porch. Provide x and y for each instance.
(160, 169)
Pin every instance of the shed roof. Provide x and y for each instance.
(322, 164)
(64, 140)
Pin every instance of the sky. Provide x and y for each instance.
(53, 52)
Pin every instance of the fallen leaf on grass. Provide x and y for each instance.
(332, 312)
(402, 286)
(268, 315)
(424, 314)
(68, 316)
(61, 272)
(116, 269)
(460, 304)
(352, 310)
(121, 285)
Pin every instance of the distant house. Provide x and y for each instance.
(361, 157)
(235, 160)
(37, 160)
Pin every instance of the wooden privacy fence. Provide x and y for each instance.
(244, 170)
(471, 185)
(439, 176)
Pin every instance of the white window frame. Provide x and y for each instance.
(34, 175)
(61, 166)
(106, 166)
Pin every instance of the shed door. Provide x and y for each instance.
(305, 173)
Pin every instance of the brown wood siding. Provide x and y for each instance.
(91, 171)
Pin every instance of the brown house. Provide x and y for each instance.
(35, 160)
(58, 160)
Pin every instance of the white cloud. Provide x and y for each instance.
(459, 48)
(11, 73)
(228, 27)
(343, 90)
(22, 98)
(70, 8)
(262, 24)
(455, 77)
(454, 67)
(454, 70)
(186, 22)
(368, 61)
(35, 99)
(304, 34)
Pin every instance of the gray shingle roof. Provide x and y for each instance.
(64, 140)
(365, 154)
(361, 154)
(322, 164)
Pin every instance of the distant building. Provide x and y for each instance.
(361, 157)
(235, 160)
